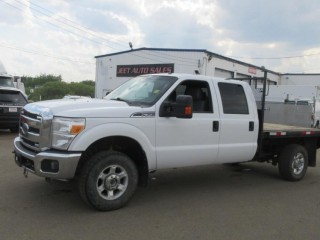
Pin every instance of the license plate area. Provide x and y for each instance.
(12, 110)
(24, 162)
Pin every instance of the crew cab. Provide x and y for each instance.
(155, 122)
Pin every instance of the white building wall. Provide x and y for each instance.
(106, 67)
(300, 79)
(184, 62)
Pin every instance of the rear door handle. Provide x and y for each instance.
(215, 126)
(251, 126)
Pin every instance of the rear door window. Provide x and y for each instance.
(234, 100)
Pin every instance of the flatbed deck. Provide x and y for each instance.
(273, 129)
(280, 127)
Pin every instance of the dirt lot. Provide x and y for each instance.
(215, 202)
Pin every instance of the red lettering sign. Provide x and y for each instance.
(135, 70)
(252, 70)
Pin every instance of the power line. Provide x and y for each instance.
(183, 61)
(123, 44)
(75, 25)
(46, 55)
(94, 33)
(276, 58)
(53, 23)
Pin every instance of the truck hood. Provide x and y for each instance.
(84, 108)
(10, 89)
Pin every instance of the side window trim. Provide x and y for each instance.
(233, 98)
(199, 102)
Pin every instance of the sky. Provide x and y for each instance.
(62, 37)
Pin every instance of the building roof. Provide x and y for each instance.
(187, 50)
(298, 74)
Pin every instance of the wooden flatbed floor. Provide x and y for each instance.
(267, 127)
(272, 129)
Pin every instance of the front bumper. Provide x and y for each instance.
(49, 164)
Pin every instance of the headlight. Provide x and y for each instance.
(64, 131)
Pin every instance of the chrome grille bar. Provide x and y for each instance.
(35, 127)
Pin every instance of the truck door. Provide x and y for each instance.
(238, 122)
(187, 142)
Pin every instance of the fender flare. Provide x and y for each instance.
(90, 136)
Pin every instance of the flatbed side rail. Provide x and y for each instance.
(272, 130)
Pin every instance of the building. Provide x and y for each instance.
(116, 68)
(312, 79)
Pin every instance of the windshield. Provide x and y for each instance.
(12, 97)
(142, 90)
(6, 82)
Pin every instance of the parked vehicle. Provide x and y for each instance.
(7, 80)
(155, 122)
(11, 102)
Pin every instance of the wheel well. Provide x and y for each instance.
(126, 145)
(275, 147)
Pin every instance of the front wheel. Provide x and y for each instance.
(108, 180)
(293, 162)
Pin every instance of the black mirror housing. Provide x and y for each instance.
(182, 108)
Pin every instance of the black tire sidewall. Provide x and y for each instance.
(93, 169)
(286, 160)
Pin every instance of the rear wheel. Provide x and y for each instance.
(293, 162)
(108, 180)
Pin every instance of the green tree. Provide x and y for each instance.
(81, 89)
(56, 90)
(50, 90)
(48, 86)
(89, 82)
(38, 81)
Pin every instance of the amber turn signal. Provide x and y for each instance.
(188, 110)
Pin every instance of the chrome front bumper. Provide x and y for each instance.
(49, 164)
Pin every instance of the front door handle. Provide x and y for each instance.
(215, 126)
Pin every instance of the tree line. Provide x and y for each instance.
(46, 87)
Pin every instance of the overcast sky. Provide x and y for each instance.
(63, 37)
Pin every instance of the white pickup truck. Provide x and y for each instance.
(154, 122)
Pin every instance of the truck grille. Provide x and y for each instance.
(8, 117)
(35, 127)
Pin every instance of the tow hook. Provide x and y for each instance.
(25, 172)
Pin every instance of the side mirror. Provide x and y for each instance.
(182, 108)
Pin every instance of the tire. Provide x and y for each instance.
(108, 180)
(293, 162)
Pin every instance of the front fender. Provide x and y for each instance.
(91, 135)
